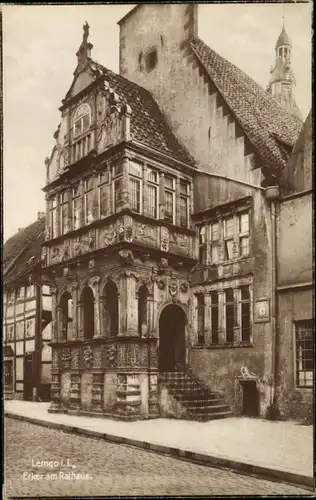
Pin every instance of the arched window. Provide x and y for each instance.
(142, 310)
(87, 300)
(81, 120)
(111, 309)
(66, 306)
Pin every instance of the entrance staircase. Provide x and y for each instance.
(197, 402)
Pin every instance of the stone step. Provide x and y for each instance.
(188, 403)
(208, 409)
(211, 416)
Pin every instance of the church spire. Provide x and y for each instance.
(282, 81)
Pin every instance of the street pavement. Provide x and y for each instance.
(81, 466)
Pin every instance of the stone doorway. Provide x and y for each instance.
(250, 399)
(172, 324)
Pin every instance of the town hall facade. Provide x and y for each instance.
(160, 229)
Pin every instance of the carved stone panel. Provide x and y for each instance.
(125, 228)
(111, 131)
(110, 356)
(107, 236)
(75, 358)
(164, 239)
(179, 243)
(87, 357)
(97, 357)
(146, 234)
(66, 358)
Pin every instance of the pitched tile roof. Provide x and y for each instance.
(265, 122)
(22, 252)
(148, 123)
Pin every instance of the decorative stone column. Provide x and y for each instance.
(95, 283)
(59, 316)
(74, 288)
(80, 328)
(128, 305)
(125, 185)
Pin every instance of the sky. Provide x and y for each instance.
(39, 58)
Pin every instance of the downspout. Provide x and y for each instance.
(272, 194)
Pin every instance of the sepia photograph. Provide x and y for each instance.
(157, 258)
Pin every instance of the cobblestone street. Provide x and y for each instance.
(108, 469)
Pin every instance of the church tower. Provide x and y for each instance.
(282, 81)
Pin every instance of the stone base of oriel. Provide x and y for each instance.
(106, 377)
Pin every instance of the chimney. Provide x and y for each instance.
(40, 215)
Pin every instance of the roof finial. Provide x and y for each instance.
(85, 32)
(283, 15)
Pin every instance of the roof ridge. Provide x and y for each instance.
(258, 113)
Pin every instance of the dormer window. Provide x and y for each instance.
(81, 120)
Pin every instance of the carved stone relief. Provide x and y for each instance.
(125, 228)
(108, 236)
(164, 239)
(146, 234)
(87, 356)
(179, 242)
(75, 358)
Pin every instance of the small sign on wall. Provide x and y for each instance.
(262, 310)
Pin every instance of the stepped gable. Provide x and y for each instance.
(270, 128)
(22, 252)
